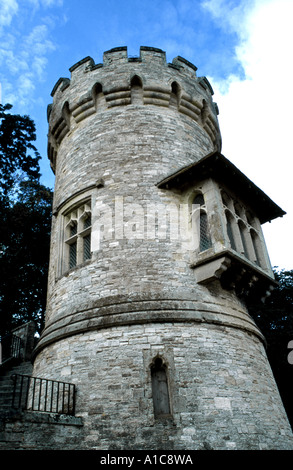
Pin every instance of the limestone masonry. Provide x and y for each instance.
(156, 249)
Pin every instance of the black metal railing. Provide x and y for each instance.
(43, 395)
(9, 347)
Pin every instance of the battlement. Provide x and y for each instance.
(119, 56)
(122, 80)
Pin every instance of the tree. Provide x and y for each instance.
(25, 211)
(274, 317)
(16, 136)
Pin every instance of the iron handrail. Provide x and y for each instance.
(43, 395)
(10, 346)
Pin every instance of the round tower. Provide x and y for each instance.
(148, 279)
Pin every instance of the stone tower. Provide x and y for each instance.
(156, 248)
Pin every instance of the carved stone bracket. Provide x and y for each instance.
(248, 282)
(211, 270)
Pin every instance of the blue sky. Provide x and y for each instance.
(244, 47)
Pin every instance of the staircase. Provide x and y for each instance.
(6, 384)
(42, 416)
(16, 350)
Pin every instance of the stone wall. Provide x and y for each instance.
(39, 431)
(222, 393)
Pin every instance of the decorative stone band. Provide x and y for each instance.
(143, 309)
(152, 96)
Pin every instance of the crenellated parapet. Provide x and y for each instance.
(121, 81)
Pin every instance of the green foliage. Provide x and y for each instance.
(16, 136)
(274, 318)
(25, 212)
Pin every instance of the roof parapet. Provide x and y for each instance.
(119, 54)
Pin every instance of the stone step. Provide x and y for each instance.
(7, 385)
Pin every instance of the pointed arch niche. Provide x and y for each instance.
(174, 95)
(98, 95)
(136, 90)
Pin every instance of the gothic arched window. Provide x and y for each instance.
(160, 388)
(204, 235)
(77, 236)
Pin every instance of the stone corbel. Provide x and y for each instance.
(212, 270)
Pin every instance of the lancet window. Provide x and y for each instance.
(200, 215)
(160, 388)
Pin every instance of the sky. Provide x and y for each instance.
(243, 47)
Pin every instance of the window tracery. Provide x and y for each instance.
(77, 227)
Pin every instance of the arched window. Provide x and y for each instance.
(204, 235)
(160, 389)
(77, 236)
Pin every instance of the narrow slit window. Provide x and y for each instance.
(160, 389)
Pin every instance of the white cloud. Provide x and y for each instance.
(8, 8)
(46, 3)
(256, 112)
(23, 50)
(230, 15)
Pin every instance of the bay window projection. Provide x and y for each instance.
(243, 231)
